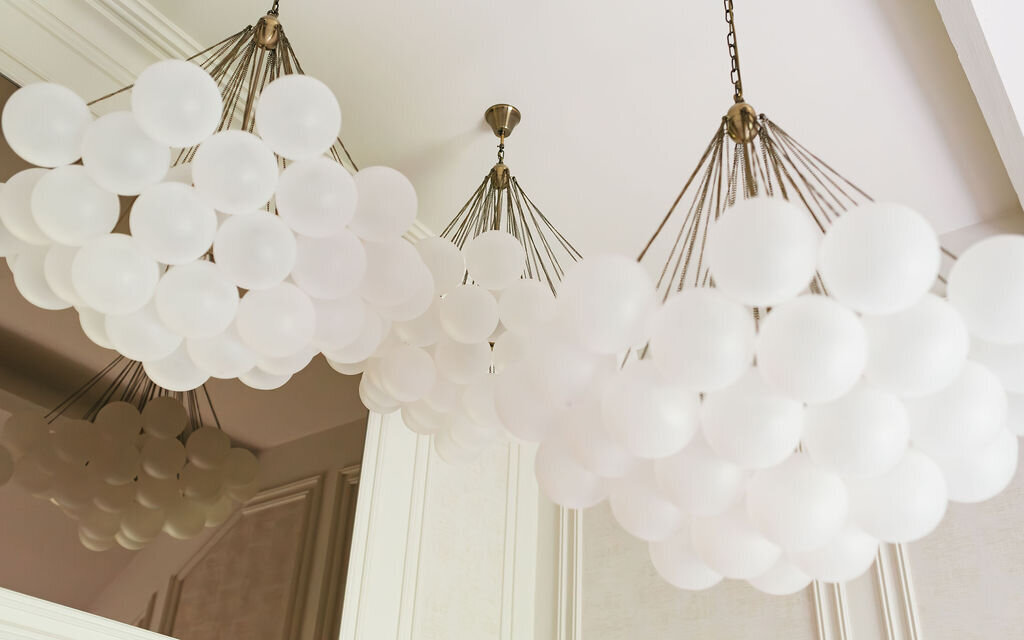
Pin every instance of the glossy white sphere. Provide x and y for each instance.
(10, 245)
(699, 481)
(202, 485)
(731, 545)
(316, 197)
(276, 322)
(494, 259)
(30, 279)
(57, 265)
(44, 123)
(445, 262)
(564, 481)
(975, 475)
(641, 508)
(223, 355)
(141, 335)
(234, 172)
(185, 520)
(525, 305)
(298, 116)
(173, 223)
(164, 417)
(469, 314)
(176, 102)
(289, 364)
(678, 564)
(256, 250)
(70, 208)
(783, 579)
(650, 417)
(386, 206)
(847, 556)
(862, 434)
(176, 372)
(120, 157)
(114, 498)
(329, 268)
(565, 370)
(114, 274)
(16, 207)
(902, 505)
(196, 300)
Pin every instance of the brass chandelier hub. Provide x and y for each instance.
(502, 118)
(741, 122)
(268, 31)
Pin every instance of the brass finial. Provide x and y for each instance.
(741, 122)
(268, 31)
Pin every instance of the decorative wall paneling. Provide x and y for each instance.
(26, 618)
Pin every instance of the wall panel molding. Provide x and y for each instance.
(332, 593)
(26, 618)
(570, 574)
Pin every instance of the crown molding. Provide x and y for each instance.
(26, 618)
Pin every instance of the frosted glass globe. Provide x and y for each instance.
(120, 157)
(202, 485)
(176, 102)
(94, 325)
(751, 425)
(1015, 413)
(44, 123)
(386, 206)
(57, 264)
(10, 245)
(173, 223)
(240, 467)
(120, 421)
(453, 451)
(164, 417)
(142, 524)
(525, 305)
(812, 349)
(423, 330)
(141, 335)
(916, 351)
(196, 300)
(494, 259)
(276, 322)
(879, 258)
(590, 444)
(699, 481)
(316, 197)
(419, 296)
(370, 337)
(375, 398)
(234, 172)
(445, 262)
(219, 512)
(641, 508)
(783, 579)
(289, 364)
(444, 396)
(762, 251)
(421, 418)
(469, 314)
(338, 322)
(530, 421)
(23, 431)
(263, 381)
(114, 498)
(965, 415)
(208, 448)
(298, 116)
(676, 562)
(114, 275)
(976, 475)
(163, 457)
(407, 373)
(176, 372)
(863, 434)
(702, 339)
(564, 481)
(903, 505)
(732, 546)
(461, 362)
(30, 279)
(1006, 361)
(329, 268)
(509, 348)
(70, 208)
(608, 301)
(16, 207)
(386, 281)
(256, 251)
(477, 401)
(223, 355)
(184, 521)
(982, 287)
(847, 556)
(127, 542)
(156, 493)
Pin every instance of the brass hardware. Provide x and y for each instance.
(499, 176)
(268, 31)
(502, 118)
(741, 122)
(734, 54)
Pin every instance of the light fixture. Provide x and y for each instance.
(495, 269)
(318, 251)
(128, 459)
(797, 394)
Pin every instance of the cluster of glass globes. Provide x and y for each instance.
(780, 446)
(127, 476)
(325, 274)
(439, 368)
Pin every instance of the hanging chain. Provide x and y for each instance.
(274, 10)
(734, 54)
(501, 149)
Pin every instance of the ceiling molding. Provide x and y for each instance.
(26, 618)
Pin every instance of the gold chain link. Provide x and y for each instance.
(734, 54)
(274, 9)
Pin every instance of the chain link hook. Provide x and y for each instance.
(274, 9)
(734, 54)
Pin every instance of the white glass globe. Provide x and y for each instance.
(509, 348)
(477, 401)
(469, 314)
(114, 498)
(847, 556)
(222, 356)
(173, 223)
(386, 207)
(564, 481)
(44, 123)
(114, 274)
(57, 266)
(1015, 413)
(783, 579)
(423, 330)
(142, 524)
(120, 157)
(141, 335)
(453, 451)
(16, 207)
(879, 258)
(316, 197)
(1004, 360)
(982, 287)
(208, 447)
(256, 250)
(641, 508)
(163, 457)
(677, 563)
(444, 395)
(976, 475)
(120, 421)
(699, 481)
(276, 322)
(164, 417)
(812, 349)
(494, 259)
(370, 336)
(202, 485)
(529, 421)
(608, 301)
(751, 425)
(388, 263)
(30, 279)
(10, 245)
(329, 268)
(240, 467)
(407, 373)
(71, 209)
(731, 545)
(590, 443)
(176, 102)
(902, 505)
(287, 365)
(155, 493)
(234, 172)
(23, 431)
(421, 418)
(461, 362)
(219, 512)
(863, 434)
(445, 262)
(263, 381)
(419, 296)
(196, 300)
(338, 322)
(176, 372)
(94, 325)
(298, 116)
(762, 251)
(916, 351)
(525, 305)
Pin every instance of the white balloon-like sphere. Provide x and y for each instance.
(608, 301)
(847, 556)
(329, 268)
(1004, 360)
(208, 447)
(469, 314)
(444, 396)
(509, 348)
(453, 451)
(532, 420)
(202, 485)
(916, 351)
(196, 300)
(879, 258)
(141, 335)
(240, 467)
(23, 431)
(114, 498)
(407, 373)
(30, 279)
(982, 285)
(316, 197)
(223, 355)
(783, 579)
(256, 378)
(494, 259)
(176, 372)
(16, 207)
(797, 505)
(234, 172)
(591, 444)
(164, 417)
(290, 364)
(564, 370)
(419, 296)
(902, 505)
(120, 421)
(142, 524)
(731, 545)
(641, 508)
(371, 334)
(276, 322)
(173, 223)
(462, 362)
(525, 305)
(185, 520)
(114, 274)
(564, 481)
(44, 123)
(751, 425)
(677, 563)
(423, 330)
(445, 262)
(762, 251)
(57, 265)
(702, 339)
(420, 418)
(120, 157)
(71, 209)
(298, 116)
(10, 245)
(338, 322)
(256, 250)
(94, 325)
(176, 102)
(386, 282)
(386, 207)
(163, 457)
(863, 434)
(975, 475)
(699, 481)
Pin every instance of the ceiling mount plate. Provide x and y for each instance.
(502, 118)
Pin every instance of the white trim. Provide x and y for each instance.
(26, 618)
(148, 27)
(896, 601)
(570, 574)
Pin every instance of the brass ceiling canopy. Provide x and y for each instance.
(502, 118)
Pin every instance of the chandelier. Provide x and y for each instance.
(495, 269)
(129, 459)
(255, 199)
(788, 391)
